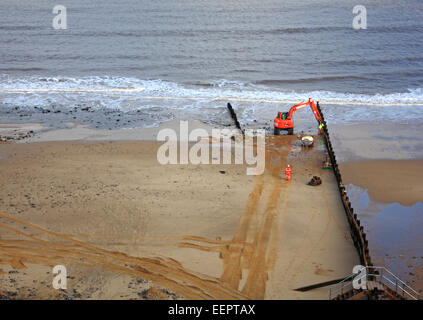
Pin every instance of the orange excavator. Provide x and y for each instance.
(283, 120)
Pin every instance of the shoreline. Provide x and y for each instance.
(37, 132)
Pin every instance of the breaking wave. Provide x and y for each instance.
(49, 89)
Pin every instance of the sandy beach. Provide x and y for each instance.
(127, 227)
(131, 154)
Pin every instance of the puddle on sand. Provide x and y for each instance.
(395, 234)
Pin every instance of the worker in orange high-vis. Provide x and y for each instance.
(288, 172)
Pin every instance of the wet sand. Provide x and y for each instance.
(387, 180)
(385, 161)
(394, 233)
(376, 141)
(128, 227)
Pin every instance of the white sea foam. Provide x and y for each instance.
(218, 90)
(254, 101)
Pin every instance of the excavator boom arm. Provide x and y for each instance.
(283, 120)
(304, 104)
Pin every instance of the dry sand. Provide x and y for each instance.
(127, 227)
(387, 180)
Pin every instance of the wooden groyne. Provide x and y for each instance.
(357, 233)
(234, 117)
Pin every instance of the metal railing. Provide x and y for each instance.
(341, 287)
(375, 274)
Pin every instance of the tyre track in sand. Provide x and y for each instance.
(258, 229)
(34, 249)
(247, 257)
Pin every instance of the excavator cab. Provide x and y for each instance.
(281, 122)
(282, 115)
